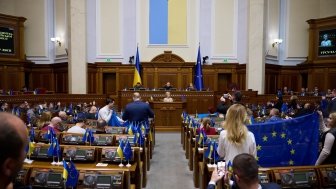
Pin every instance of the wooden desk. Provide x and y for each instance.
(82, 167)
(196, 100)
(167, 115)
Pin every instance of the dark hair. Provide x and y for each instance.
(101, 123)
(109, 100)
(10, 141)
(238, 96)
(246, 167)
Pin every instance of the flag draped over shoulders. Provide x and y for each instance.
(137, 77)
(292, 142)
(198, 81)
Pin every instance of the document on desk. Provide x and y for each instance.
(101, 164)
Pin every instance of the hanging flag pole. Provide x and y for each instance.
(137, 77)
(198, 81)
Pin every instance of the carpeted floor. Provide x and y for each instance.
(169, 167)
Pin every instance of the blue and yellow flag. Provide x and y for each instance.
(65, 170)
(120, 149)
(137, 77)
(292, 142)
(198, 81)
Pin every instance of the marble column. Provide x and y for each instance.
(77, 72)
(255, 67)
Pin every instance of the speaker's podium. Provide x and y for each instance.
(168, 115)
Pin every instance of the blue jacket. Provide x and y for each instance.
(137, 111)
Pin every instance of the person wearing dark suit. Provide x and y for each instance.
(137, 86)
(137, 110)
(244, 174)
(167, 86)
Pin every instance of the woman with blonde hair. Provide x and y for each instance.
(235, 138)
(328, 152)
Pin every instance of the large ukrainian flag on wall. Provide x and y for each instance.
(168, 22)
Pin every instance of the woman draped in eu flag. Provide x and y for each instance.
(328, 153)
(236, 138)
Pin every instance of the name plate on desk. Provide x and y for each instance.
(72, 138)
(103, 140)
(130, 138)
(79, 153)
(46, 178)
(328, 174)
(40, 152)
(115, 130)
(111, 179)
(110, 154)
(297, 178)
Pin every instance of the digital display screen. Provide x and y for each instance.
(43, 151)
(103, 179)
(102, 139)
(327, 43)
(300, 177)
(80, 153)
(6, 40)
(54, 177)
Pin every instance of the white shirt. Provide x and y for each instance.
(76, 129)
(168, 99)
(106, 113)
(228, 150)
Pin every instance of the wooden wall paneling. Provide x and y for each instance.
(92, 79)
(209, 80)
(185, 80)
(3, 79)
(109, 86)
(168, 74)
(126, 80)
(331, 81)
(149, 81)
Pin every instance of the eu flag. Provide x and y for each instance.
(292, 142)
(198, 72)
(72, 176)
(114, 120)
(127, 151)
(137, 77)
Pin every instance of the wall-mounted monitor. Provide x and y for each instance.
(327, 42)
(7, 40)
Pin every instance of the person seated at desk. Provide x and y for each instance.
(80, 123)
(206, 126)
(137, 86)
(55, 123)
(101, 125)
(274, 115)
(168, 98)
(190, 87)
(92, 113)
(244, 174)
(167, 86)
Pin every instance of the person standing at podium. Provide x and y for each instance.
(167, 97)
(137, 110)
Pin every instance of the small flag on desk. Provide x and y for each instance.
(127, 151)
(120, 148)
